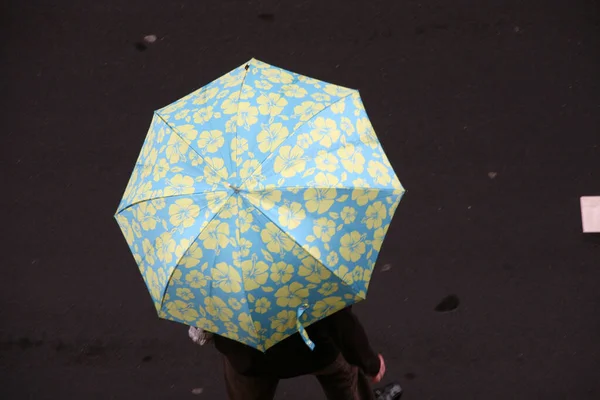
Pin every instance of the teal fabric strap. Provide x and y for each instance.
(301, 329)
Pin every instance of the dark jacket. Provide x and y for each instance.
(340, 332)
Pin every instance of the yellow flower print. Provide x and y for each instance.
(337, 91)
(247, 92)
(313, 270)
(231, 327)
(319, 200)
(176, 148)
(283, 321)
(291, 215)
(281, 272)
(222, 94)
(179, 184)
(146, 215)
(358, 273)
(162, 277)
(304, 140)
(195, 159)
(324, 229)
(294, 91)
(271, 137)
(292, 295)
(161, 169)
(226, 278)
(276, 75)
(238, 146)
(245, 322)
(352, 246)
(153, 285)
(215, 235)
(327, 306)
(207, 325)
(215, 171)
(247, 115)
(275, 239)
(185, 293)
(345, 274)
(262, 305)
(332, 259)
(149, 163)
(203, 115)
(328, 288)
(159, 204)
(325, 131)
(182, 311)
(232, 78)
(196, 279)
(228, 209)
(289, 161)
(183, 213)
(192, 256)
(218, 309)
(263, 85)
(348, 215)
(351, 158)
(230, 104)
(363, 196)
(271, 104)
(165, 247)
(273, 340)
(173, 107)
(149, 252)
(245, 220)
(181, 248)
(378, 237)
(379, 172)
(320, 97)
(326, 161)
(205, 95)
(255, 274)
(126, 228)
(234, 303)
(375, 215)
(366, 132)
(245, 246)
(338, 107)
(248, 168)
(143, 191)
(266, 199)
(188, 132)
(307, 109)
(211, 141)
(347, 126)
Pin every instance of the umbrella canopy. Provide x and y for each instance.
(259, 204)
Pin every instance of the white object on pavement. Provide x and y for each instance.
(199, 335)
(590, 213)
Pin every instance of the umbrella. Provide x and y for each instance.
(259, 204)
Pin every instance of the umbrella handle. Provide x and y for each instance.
(300, 327)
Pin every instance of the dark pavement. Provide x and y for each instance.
(488, 110)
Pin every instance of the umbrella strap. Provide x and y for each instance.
(301, 329)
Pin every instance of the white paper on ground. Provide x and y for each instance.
(590, 213)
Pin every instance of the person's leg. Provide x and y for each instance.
(240, 387)
(342, 381)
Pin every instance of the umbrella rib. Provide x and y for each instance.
(292, 134)
(237, 239)
(237, 116)
(190, 146)
(162, 300)
(166, 197)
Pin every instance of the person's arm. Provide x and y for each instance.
(350, 337)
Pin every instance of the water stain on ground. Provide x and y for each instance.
(448, 303)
